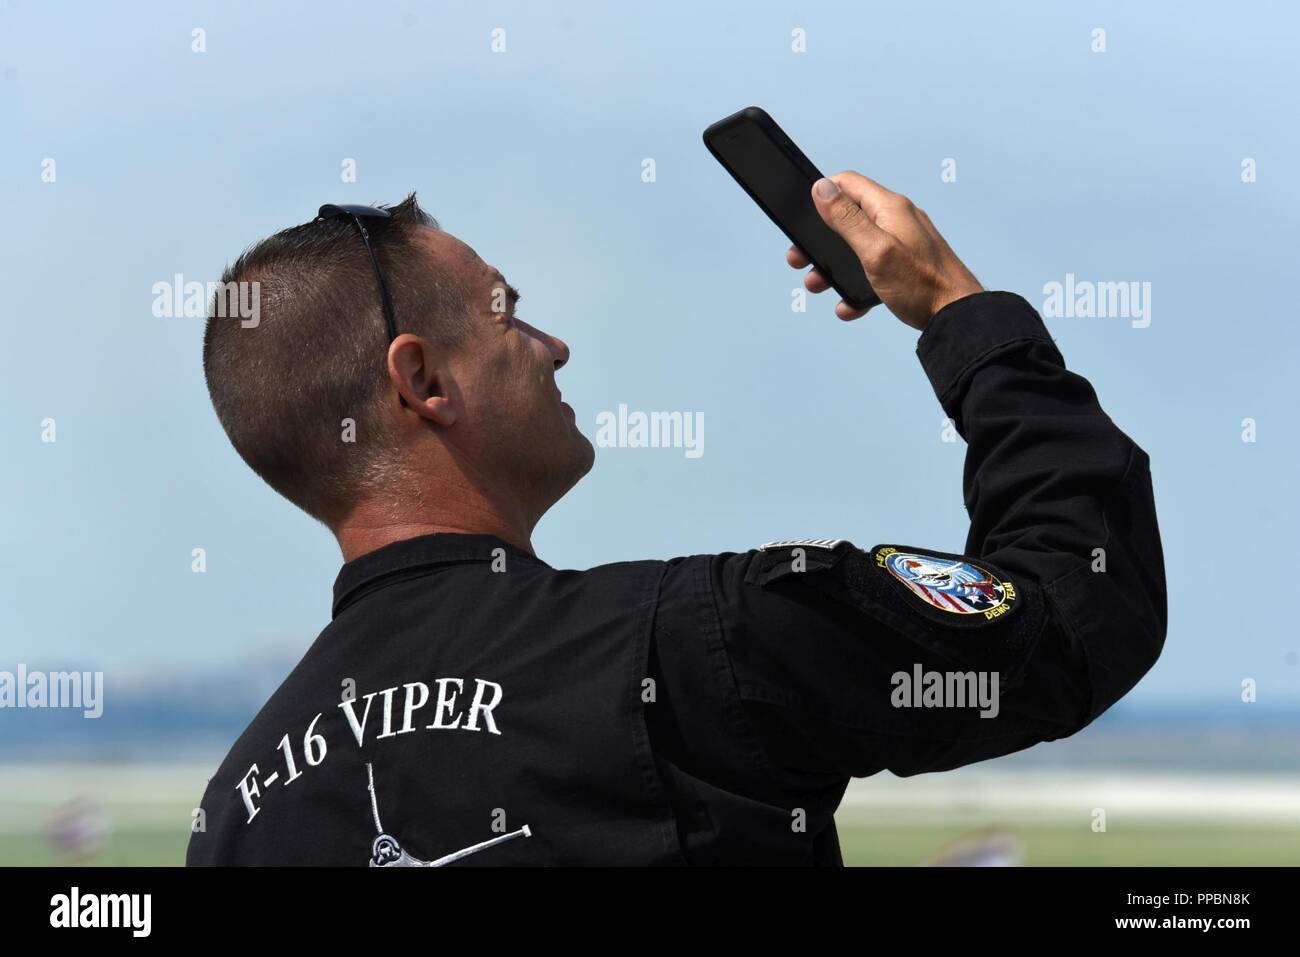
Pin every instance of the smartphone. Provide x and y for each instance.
(778, 177)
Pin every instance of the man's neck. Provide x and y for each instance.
(371, 526)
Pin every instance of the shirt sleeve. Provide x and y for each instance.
(907, 658)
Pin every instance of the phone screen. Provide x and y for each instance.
(779, 178)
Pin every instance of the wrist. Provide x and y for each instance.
(951, 295)
(969, 331)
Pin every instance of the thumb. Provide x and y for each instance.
(845, 216)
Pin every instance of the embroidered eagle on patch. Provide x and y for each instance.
(953, 585)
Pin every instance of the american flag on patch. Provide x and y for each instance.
(953, 585)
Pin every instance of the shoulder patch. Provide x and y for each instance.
(826, 543)
(955, 586)
(777, 560)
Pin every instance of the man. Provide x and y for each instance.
(470, 704)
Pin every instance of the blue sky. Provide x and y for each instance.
(1115, 166)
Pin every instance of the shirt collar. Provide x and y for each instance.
(397, 559)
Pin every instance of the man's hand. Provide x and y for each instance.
(909, 264)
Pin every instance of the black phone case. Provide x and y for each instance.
(855, 290)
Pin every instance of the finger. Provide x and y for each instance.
(796, 257)
(847, 312)
(848, 219)
(814, 281)
(867, 193)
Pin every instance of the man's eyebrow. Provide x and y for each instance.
(511, 292)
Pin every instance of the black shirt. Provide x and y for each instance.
(712, 709)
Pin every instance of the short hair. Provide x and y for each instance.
(316, 355)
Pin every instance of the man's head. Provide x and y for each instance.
(460, 414)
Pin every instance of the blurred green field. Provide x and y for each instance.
(124, 849)
(877, 845)
(1052, 846)
(1045, 818)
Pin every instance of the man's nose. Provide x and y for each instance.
(560, 353)
(559, 349)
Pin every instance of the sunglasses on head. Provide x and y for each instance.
(358, 215)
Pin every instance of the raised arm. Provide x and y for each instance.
(1057, 604)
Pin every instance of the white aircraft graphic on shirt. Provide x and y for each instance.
(387, 850)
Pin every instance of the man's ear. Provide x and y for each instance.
(421, 379)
